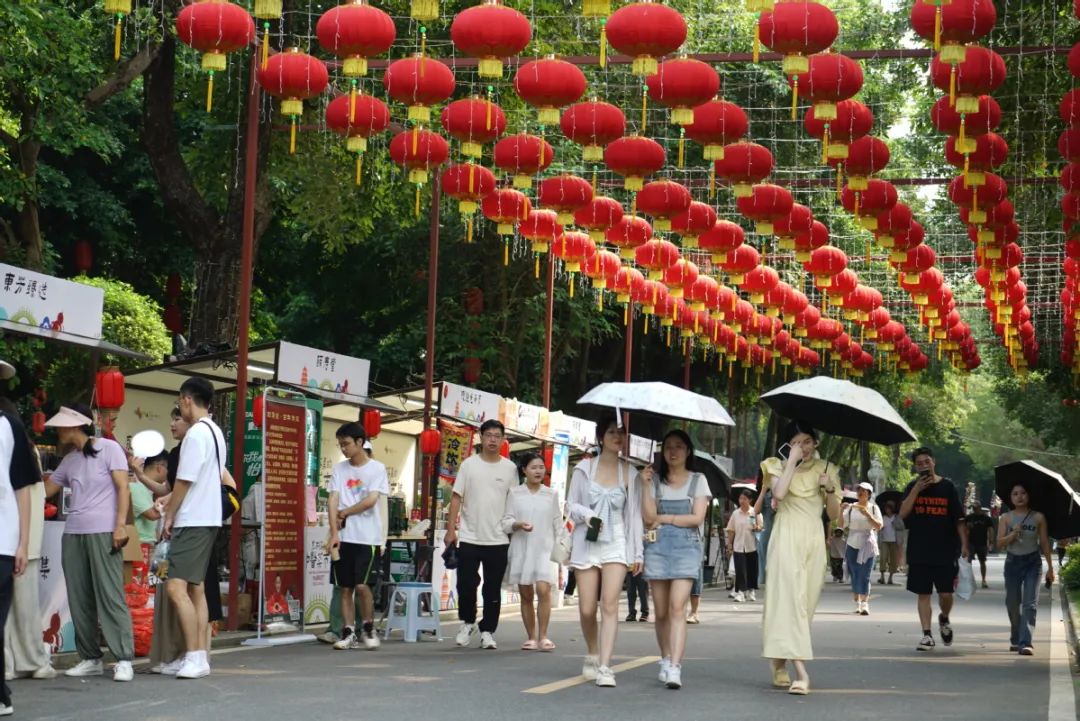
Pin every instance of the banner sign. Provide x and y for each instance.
(317, 588)
(468, 404)
(50, 303)
(524, 418)
(58, 631)
(577, 432)
(306, 367)
(456, 447)
(284, 477)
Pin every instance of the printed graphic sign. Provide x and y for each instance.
(50, 303)
(468, 404)
(456, 447)
(58, 631)
(325, 371)
(285, 465)
(317, 588)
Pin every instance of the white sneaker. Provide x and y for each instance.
(45, 672)
(122, 671)
(171, 668)
(86, 668)
(465, 634)
(731, 594)
(589, 667)
(674, 676)
(350, 641)
(370, 640)
(665, 664)
(487, 640)
(605, 677)
(6, 710)
(739, 597)
(193, 669)
(752, 595)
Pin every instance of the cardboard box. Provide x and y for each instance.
(243, 608)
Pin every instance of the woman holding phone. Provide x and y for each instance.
(605, 507)
(674, 503)
(802, 483)
(1022, 533)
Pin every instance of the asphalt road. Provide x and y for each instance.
(865, 668)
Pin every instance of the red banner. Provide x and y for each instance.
(283, 525)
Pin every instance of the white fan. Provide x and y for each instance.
(147, 444)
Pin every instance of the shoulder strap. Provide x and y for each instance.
(692, 494)
(217, 453)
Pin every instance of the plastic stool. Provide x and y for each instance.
(412, 621)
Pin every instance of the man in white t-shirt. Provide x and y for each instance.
(356, 485)
(480, 491)
(192, 522)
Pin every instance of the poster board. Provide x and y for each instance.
(49, 303)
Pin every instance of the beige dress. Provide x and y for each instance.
(796, 558)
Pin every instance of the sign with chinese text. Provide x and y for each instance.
(284, 476)
(317, 588)
(322, 370)
(468, 404)
(578, 432)
(50, 303)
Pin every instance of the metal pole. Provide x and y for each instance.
(247, 252)
(687, 360)
(549, 321)
(428, 484)
(629, 360)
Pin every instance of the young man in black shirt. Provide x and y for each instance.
(979, 526)
(937, 537)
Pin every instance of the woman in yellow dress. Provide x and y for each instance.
(796, 557)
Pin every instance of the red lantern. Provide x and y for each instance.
(504, 449)
(506, 207)
(490, 31)
(646, 31)
(109, 388)
(765, 204)
(799, 219)
(853, 121)
(876, 198)
(744, 164)
(174, 318)
(916, 260)
(600, 214)
(656, 256)
(629, 233)
(739, 262)
(721, 239)
(716, 124)
(897, 219)
(541, 228)
(471, 368)
(419, 82)
(662, 199)
(829, 78)
(430, 442)
(573, 248)
(369, 116)
(473, 122)
(990, 193)
(174, 285)
(37, 422)
(758, 282)
(797, 29)
(980, 73)
(682, 84)
(593, 124)
(990, 151)
(601, 268)
(866, 156)
(355, 31)
(968, 125)
(293, 77)
(214, 28)
(692, 222)
(468, 184)
(951, 26)
(564, 194)
(258, 402)
(372, 422)
(634, 158)
(549, 84)
(84, 256)
(678, 276)
(1069, 143)
(806, 243)
(627, 283)
(523, 156)
(824, 263)
(419, 151)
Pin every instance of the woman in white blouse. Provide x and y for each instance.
(533, 516)
(862, 520)
(605, 505)
(742, 543)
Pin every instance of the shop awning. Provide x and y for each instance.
(57, 336)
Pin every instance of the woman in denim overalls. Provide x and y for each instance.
(1022, 533)
(674, 504)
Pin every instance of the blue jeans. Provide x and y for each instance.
(860, 572)
(1022, 575)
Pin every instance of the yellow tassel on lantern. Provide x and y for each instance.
(626, 314)
(839, 181)
(858, 197)
(292, 136)
(967, 167)
(117, 37)
(868, 252)
(352, 101)
(712, 180)
(472, 178)
(210, 91)
(536, 265)
(937, 28)
(594, 181)
(795, 98)
(757, 43)
(468, 229)
(571, 285)
(487, 114)
(416, 208)
(265, 46)
(603, 44)
(682, 147)
(825, 146)
(359, 167)
(415, 138)
(506, 252)
(963, 123)
(952, 87)
(644, 105)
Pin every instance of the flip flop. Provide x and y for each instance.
(547, 645)
(780, 677)
(529, 645)
(799, 687)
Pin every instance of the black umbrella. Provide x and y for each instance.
(897, 497)
(737, 490)
(1048, 492)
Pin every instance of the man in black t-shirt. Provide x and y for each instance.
(979, 527)
(937, 537)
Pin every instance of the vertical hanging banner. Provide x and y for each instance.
(285, 473)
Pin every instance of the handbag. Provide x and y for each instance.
(564, 544)
(230, 498)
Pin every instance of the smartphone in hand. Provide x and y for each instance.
(783, 451)
(593, 533)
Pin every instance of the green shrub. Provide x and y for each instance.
(1070, 575)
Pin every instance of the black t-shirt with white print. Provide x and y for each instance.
(932, 535)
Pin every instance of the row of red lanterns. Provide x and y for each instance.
(1069, 147)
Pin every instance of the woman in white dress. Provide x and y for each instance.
(533, 516)
(605, 505)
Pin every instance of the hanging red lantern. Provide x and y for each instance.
(627, 283)
(799, 219)
(867, 204)
(853, 121)
(430, 442)
(600, 214)
(293, 77)
(661, 200)
(593, 124)
(37, 422)
(682, 84)
(744, 164)
(866, 156)
(471, 369)
(573, 248)
(629, 233)
(419, 151)
(824, 263)
(905, 240)
(806, 243)
(601, 267)
(565, 194)
(990, 151)
(523, 156)
(953, 25)
(109, 388)
(698, 218)
(369, 116)
(966, 126)
(717, 123)
(679, 276)
(354, 32)
(468, 184)
(507, 207)
(473, 122)
(758, 282)
(766, 203)
(721, 240)
(702, 293)
(656, 256)
(84, 257)
(504, 449)
(490, 32)
(646, 31)
(739, 262)
(541, 228)
(916, 260)
(214, 28)
(993, 190)
(897, 219)
(549, 84)
(1069, 144)
(980, 73)
(174, 318)
(634, 158)
(174, 286)
(372, 422)
(796, 30)
(419, 82)
(829, 78)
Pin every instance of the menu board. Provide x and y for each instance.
(284, 469)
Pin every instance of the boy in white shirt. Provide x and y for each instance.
(356, 533)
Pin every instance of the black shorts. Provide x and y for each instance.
(924, 579)
(979, 553)
(357, 565)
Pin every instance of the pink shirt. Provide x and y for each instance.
(92, 508)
